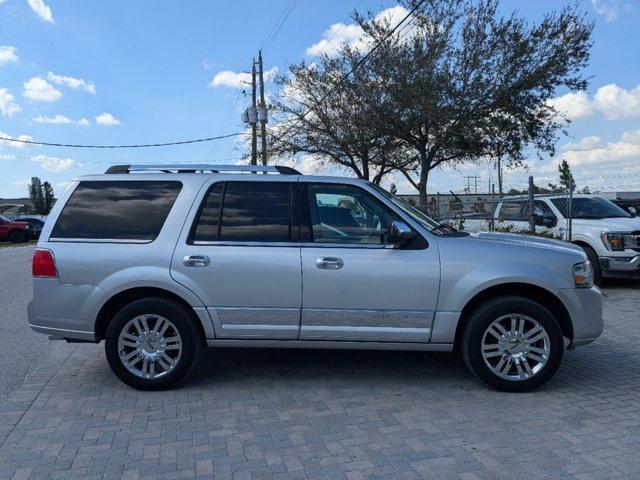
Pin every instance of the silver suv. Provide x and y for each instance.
(161, 260)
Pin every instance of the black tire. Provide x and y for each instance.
(480, 320)
(17, 236)
(184, 322)
(595, 263)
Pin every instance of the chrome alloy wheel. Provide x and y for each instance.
(149, 346)
(515, 347)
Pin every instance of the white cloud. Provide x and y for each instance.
(107, 120)
(573, 105)
(229, 78)
(60, 120)
(72, 82)
(54, 164)
(13, 144)
(609, 9)
(617, 102)
(340, 34)
(8, 55)
(611, 100)
(39, 89)
(55, 120)
(8, 105)
(41, 9)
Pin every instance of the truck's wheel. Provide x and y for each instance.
(595, 263)
(153, 343)
(512, 343)
(17, 236)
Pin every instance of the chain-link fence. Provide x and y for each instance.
(550, 215)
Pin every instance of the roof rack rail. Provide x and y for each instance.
(202, 167)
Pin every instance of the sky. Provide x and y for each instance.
(113, 72)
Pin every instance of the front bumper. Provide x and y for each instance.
(620, 267)
(585, 308)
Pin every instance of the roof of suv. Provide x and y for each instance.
(195, 172)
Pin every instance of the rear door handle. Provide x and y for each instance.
(329, 263)
(196, 261)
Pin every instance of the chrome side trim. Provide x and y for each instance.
(234, 322)
(425, 347)
(354, 318)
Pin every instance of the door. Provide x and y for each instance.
(243, 261)
(355, 285)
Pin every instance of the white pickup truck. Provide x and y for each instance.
(609, 236)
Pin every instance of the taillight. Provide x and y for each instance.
(44, 266)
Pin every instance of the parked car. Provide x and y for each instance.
(159, 265)
(608, 235)
(35, 225)
(14, 231)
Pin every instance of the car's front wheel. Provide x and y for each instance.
(512, 343)
(152, 343)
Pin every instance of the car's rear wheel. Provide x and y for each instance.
(153, 343)
(17, 236)
(512, 343)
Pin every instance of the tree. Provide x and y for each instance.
(463, 83)
(48, 198)
(36, 195)
(566, 178)
(41, 196)
(319, 114)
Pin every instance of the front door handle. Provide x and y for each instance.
(196, 261)
(329, 263)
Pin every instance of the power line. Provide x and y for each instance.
(357, 65)
(142, 145)
(279, 24)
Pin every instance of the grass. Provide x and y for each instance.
(8, 244)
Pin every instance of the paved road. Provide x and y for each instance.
(21, 349)
(268, 414)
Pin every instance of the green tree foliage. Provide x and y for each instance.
(566, 178)
(321, 116)
(464, 82)
(41, 196)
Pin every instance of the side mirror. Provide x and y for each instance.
(399, 233)
(632, 211)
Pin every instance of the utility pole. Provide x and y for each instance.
(262, 111)
(500, 176)
(254, 127)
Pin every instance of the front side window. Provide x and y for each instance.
(347, 214)
(118, 210)
(589, 208)
(245, 212)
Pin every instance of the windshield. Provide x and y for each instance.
(424, 220)
(4, 219)
(589, 208)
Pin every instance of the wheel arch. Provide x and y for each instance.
(525, 290)
(125, 297)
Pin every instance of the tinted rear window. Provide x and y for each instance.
(119, 210)
(251, 212)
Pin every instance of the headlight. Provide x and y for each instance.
(616, 242)
(583, 275)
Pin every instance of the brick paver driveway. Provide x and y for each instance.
(328, 414)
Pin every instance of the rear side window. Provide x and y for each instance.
(118, 210)
(245, 212)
